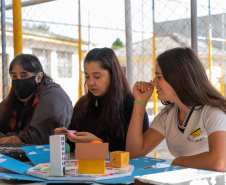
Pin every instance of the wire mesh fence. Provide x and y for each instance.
(50, 31)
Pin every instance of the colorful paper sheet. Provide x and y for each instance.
(13, 164)
(43, 170)
(19, 177)
(122, 180)
(37, 153)
(41, 154)
(142, 162)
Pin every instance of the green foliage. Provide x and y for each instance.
(117, 44)
(42, 27)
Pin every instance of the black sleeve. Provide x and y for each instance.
(72, 146)
(53, 110)
(113, 144)
(128, 109)
(2, 121)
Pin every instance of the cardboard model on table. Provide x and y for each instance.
(57, 155)
(91, 157)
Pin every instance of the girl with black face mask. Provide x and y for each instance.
(35, 105)
(23, 88)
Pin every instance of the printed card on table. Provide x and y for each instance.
(37, 153)
(43, 171)
(13, 164)
(142, 162)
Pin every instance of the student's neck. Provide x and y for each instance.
(182, 112)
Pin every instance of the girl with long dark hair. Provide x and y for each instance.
(194, 119)
(104, 112)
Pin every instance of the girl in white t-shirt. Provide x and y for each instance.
(193, 121)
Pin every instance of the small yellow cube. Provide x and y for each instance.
(95, 166)
(119, 159)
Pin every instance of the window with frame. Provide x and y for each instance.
(64, 65)
(44, 57)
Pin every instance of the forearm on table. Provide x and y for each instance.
(10, 139)
(202, 161)
(2, 135)
(36, 135)
(2, 140)
(134, 140)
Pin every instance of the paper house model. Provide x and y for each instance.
(119, 159)
(91, 157)
(57, 155)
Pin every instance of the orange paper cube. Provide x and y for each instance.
(119, 159)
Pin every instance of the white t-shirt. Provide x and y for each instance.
(194, 140)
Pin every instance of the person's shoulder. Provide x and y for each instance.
(81, 101)
(213, 119)
(210, 114)
(164, 112)
(168, 108)
(3, 102)
(52, 90)
(3, 105)
(209, 110)
(52, 87)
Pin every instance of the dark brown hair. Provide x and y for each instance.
(113, 110)
(31, 64)
(183, 70)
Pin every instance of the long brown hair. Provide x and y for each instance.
(113, 110)
(183, 70)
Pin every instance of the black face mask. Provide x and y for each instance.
(24, 88)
